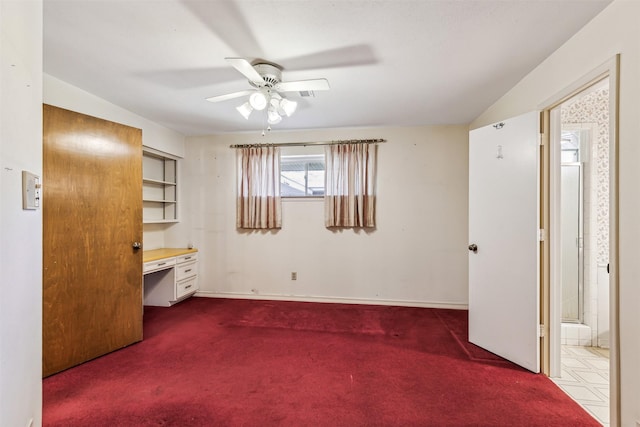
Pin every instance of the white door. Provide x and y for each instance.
(503, 224)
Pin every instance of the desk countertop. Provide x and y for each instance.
(156, 254)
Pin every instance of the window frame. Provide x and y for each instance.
(307, 157)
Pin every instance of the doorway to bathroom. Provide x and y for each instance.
(581, 161)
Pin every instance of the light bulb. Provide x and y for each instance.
(273, 117)
(245, 109)
(258, 100)
(288, 107)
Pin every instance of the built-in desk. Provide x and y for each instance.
(170, 275)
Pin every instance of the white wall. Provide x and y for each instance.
(20, 231)
(416, 256)
(615, 30)
(63, 95)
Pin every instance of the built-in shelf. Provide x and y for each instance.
(159, 221)
(156, 182)
(159, 201)
(159, 188)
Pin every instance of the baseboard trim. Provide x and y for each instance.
(336, 300)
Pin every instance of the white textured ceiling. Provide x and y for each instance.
(388, 62)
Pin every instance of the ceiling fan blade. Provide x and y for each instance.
(347, 56)
(303, 85)
(226, 20)
(245, 67)
(230, 96)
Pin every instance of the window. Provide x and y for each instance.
(302, 175)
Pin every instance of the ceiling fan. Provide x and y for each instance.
(266, 79)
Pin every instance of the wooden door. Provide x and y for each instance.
(503, 224)
(92, 214)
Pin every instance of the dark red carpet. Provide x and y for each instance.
(213, 362)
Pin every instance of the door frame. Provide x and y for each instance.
(549, 202)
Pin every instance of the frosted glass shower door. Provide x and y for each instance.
(571, 242)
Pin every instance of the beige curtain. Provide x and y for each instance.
(258, 205)
(350, 185)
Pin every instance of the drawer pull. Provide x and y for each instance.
(162, 263)
(187, 287)
(188, 257)
(186, 271)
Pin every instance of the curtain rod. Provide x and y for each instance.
(304, 144)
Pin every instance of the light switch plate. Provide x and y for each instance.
(30, 191)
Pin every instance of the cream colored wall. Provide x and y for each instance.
(61, 94)
(20, 230)
(416, 256)
(615, 30)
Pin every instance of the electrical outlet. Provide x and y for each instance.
(294, 275)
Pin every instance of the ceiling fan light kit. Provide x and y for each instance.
(288, 107)
(273, 117)
(245, 109)
(266, 78)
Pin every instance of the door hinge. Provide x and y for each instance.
(540, 139)
(540, 331)
(541, 235)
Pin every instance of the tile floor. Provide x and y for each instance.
(585, 377)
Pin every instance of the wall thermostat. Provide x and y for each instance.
(30, 191)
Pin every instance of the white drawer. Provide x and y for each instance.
(159, 264)
(186, 270)
(186, 287)
(188, 258)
